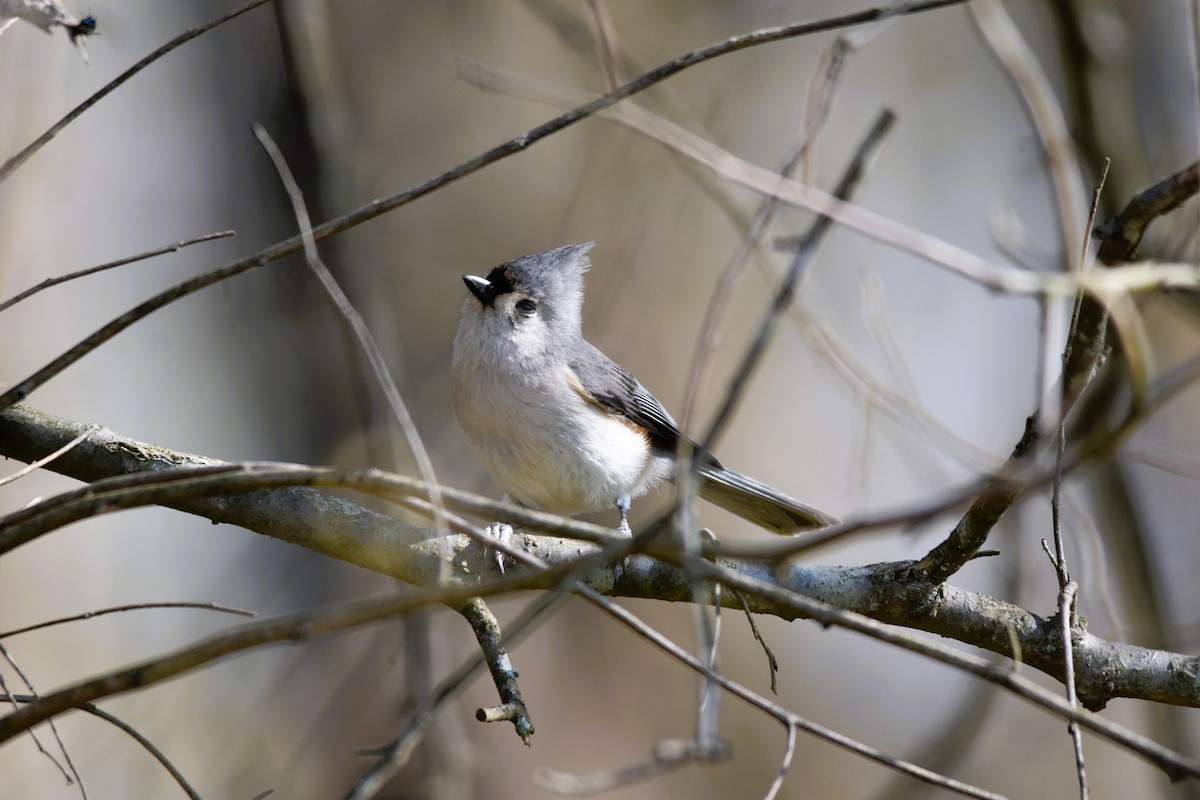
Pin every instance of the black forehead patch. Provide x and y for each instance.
(501, 280)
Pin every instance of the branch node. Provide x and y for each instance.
(509, 712)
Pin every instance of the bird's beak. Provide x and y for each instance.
(483, 289)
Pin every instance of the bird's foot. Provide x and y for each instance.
(623, 529)
(502, 532)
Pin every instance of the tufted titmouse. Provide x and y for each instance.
(557, 423)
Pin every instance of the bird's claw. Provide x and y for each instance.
(502, 532)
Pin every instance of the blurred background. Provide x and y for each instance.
(365, 99)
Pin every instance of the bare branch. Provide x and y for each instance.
(171, 248)
(512, 704)
(120, 609)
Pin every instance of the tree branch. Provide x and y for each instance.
(893, 593)
(1120, 236)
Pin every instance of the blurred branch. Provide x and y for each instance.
(1079, 70)
(805, 249)
(518, 144)
(1009, 47)
(819, 102)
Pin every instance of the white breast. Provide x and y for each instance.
(545, 445)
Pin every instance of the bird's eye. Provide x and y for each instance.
(526, 307)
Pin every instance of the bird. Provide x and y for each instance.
(560, 426)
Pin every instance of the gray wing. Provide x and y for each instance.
(614, 389)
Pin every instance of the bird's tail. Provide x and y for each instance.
(759, 503)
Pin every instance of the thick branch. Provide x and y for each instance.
(892, 593)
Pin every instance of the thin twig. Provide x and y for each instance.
(20, 158)
(118, 609)
(772, 661)
(172, 487)
(708, 707)
(1066, 614)
(1067, 588)
(150, 747)
(171, 248)
(41, 462)
(37, 742)
(69, 772)
(1082, 265)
